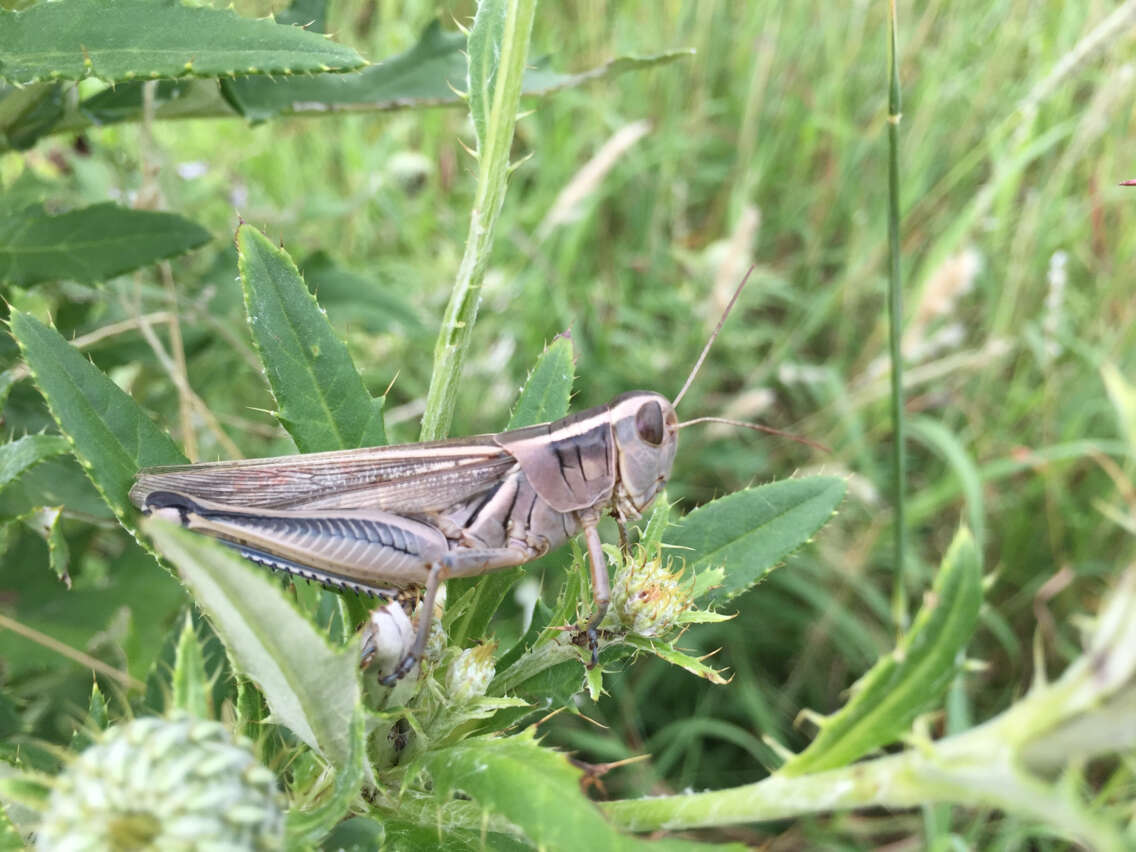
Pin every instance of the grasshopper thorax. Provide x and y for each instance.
(645, 429)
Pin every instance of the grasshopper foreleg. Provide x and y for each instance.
(601, 587)
(624, 541)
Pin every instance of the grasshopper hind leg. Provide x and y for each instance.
(458, 563)
(434, 581)
(185, 511)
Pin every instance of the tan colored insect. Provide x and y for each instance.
(386, 519)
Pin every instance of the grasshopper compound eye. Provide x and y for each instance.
(649, 423)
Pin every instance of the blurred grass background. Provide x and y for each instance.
(767, 146)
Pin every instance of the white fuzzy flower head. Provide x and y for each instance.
(161, 784)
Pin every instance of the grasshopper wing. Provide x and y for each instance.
(407, 478)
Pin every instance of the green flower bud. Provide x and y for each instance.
(469, 674)
(647, 597)
(159, 784)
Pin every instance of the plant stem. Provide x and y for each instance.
(492, 177)
(895, 319)
(976, 772)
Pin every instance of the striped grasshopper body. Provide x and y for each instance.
(386, 519)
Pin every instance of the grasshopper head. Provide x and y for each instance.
(646, 437)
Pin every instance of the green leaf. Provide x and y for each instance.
(90, 244)
(119, 40)
(322, 400)
(751, 531)
(364, 835)
(944, 442)
(422, 76)
(191, 685)
(666, 652)
(535, 788)
(910, 680)
(8, 380)
(98, 714)
(548, 387)
(542, 80)
(46, 522)
(109, 434)
(307, 827)
(484, 51)
(311, 687)
(251, 708)
(55, 481)
(28, 113)
(98, 719)
(544, 397)
(124, 101)
(19, 455)
(432, 73)
(652, 536)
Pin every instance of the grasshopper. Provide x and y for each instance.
(387, 520)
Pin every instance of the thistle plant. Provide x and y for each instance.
(470, 749)
(164, 784)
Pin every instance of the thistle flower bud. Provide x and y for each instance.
(648, 597)
(470, 673)
(164, 784)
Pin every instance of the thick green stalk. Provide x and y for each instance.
(895, 320)
(492, 177)
(980, 775)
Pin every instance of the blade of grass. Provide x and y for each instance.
(895, 321)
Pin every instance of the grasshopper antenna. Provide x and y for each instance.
(713, 337)
(757, 427)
